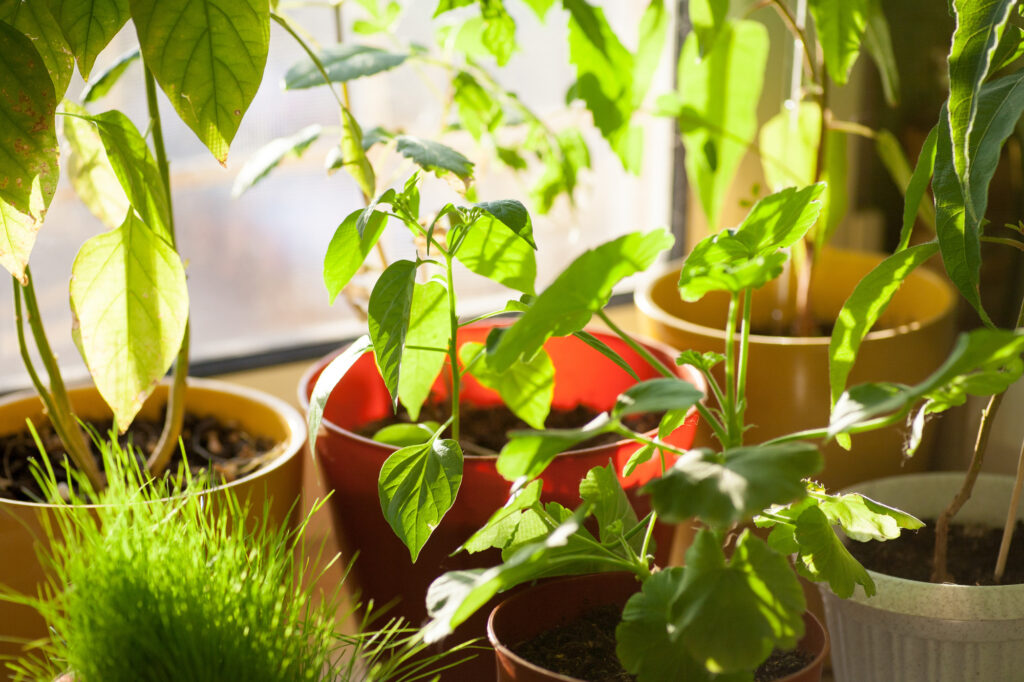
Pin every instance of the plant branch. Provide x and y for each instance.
(453, 354)
(741, 362)
(729, 409)
(647, 355)
(1011, 521)
(791, 24)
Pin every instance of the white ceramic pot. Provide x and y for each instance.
(914, 631)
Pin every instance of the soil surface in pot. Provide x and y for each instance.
(585, 649)
(484, 429)
(973, 550)
(222, 448)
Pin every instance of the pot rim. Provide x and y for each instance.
(291, 446)
(684, 371)
(645, 304)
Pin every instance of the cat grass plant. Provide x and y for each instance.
(149, 586)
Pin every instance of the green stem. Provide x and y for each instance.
(453, 354)
(716, 426)
(729, 409)
(648, 536)
(815, 434)
(56, 400)
(174, 418)
(741, 363)
(647, 355)
(640, 438)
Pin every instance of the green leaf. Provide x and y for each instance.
(747, 257)
(823, 557)
(642, 454)
(540, 7)
(705, 362)
(717, 108)
(342, 63)
(479, 112)
(325, 383)
(389, 309)
(101, 85)
(130, 306)
(979, 27)
(89, 26)
(606, 350)
(348, 249)
(650, 44)
(429, 328)
(707, 18)
(840, 25)
(863, 519)
(865, 305)
(501, 529)
(434, 156)
(914, 203)
(732, 614)
(90, 171)
(526, 388)
(528, 453)
(417, 487)
(35, 21)
(499, 34)
(513, 215)
(878, 43)
(406, 435)
(494, 251)
(724, 488)
(604, 79)
(645, 638)
(135, 169)
(601, 489)
(656, 395)
(561, 168)
(208, 56)
(270, 155)
(789, 146)
(959, 240)
(28, 148)
(1011, 47)
(582, 289)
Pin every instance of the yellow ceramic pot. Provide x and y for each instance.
(787, 384)
(279, 483)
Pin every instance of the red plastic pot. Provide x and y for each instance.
(351, 463)
(556, 602)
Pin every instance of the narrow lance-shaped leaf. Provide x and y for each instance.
(878, 43)
(389, 309)
(425, 344)
(417, 487)
(325, 383)
(342, 64)
(270, 155)
(526, 387)
(353, 154)
(650, 43)
(349, 248)
(90, 171)
(89, 26)
(28, 147)
(577, 293)
(840, 26)
(34, 20)
(130, 306)
(101, 84)
(707, 17)
(913, 203)
(208, 56)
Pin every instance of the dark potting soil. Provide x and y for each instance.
(585, 649)
(973, 550)
(222, 448)
(484, 429)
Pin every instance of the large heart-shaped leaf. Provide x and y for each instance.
(582, 289)
(526, 388)
(389, 310)
(724, 488)
(840, 25)
(342, 63)
(748, 257)
(36, 22)
(130, 304)
(426, 343)
(208, 56)
(89, 26)
(90, 171)
(28, 147)
(490, 249)
(417, 487)
(136, 169)
(349, 247)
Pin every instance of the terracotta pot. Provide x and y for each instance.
(279, 483)
(916, 336)
(557, 602)
(915, 631)
(351, 464)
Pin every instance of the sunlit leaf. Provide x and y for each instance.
(878, 43)
(325, 383)
(89, 26)
(270, 155)
(426, 341)
(840, 26)
(492, 250)
(656, 395)
(528, 453)
(100, 85)
(434, 156)
(612, 509)
(348, 249)
(90, 171)
(389, 311)
(526, 387)
(34, 20)
(342, 63)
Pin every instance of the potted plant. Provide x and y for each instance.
(406, 496)
(970, 612)
(224, 599)
(722, 65)
(127, 291)
(737, 597)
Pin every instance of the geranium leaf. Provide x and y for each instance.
(130, 306)
(429, 328)
(208, 56)
(417, 487)
(500, 529)
(822, 556)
